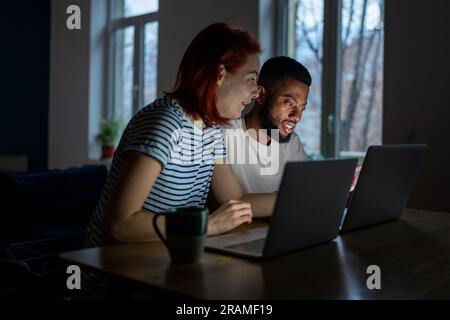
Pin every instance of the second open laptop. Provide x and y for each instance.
(308, 211)
(385, 182)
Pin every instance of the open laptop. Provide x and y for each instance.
(384, 184)
(308, 211)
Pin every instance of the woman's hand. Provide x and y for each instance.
(230, 215)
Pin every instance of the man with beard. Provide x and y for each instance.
(261, 142)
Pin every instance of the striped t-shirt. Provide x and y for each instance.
(186, 153)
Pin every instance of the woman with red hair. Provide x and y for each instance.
(167, 155)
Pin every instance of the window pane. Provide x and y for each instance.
(139, 7)
(308, 50)
(150, 61)
(361, 75)
(123, 72)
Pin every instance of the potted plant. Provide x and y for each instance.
(110, 130)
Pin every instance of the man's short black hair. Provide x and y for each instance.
(276, 70)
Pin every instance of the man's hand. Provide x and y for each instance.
(355, 177)
(230, 215)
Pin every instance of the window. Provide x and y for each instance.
(139, 7)
(133, 53)
(341, 43)
(361, 83)
(308, 49)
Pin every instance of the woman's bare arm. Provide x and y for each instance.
(123, 219)
(125, 222)
(226, 187)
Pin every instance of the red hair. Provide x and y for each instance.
(197, 76)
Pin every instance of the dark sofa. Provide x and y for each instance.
(43, 214)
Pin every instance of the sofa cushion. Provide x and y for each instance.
(56, 197)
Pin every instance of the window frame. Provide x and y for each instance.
(331, 69)
(114, 24)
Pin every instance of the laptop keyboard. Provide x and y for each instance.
(255, 246)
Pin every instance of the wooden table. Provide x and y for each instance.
(413, 254)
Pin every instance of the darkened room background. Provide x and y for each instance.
(24, 80)
(416, 80)
(416, 105)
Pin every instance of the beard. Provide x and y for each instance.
(268, 123)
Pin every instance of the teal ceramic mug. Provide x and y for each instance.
(185, 233)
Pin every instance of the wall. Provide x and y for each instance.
(69, 87)
(76, 86)
(416, 93)
(180, 21)
(24, 76)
